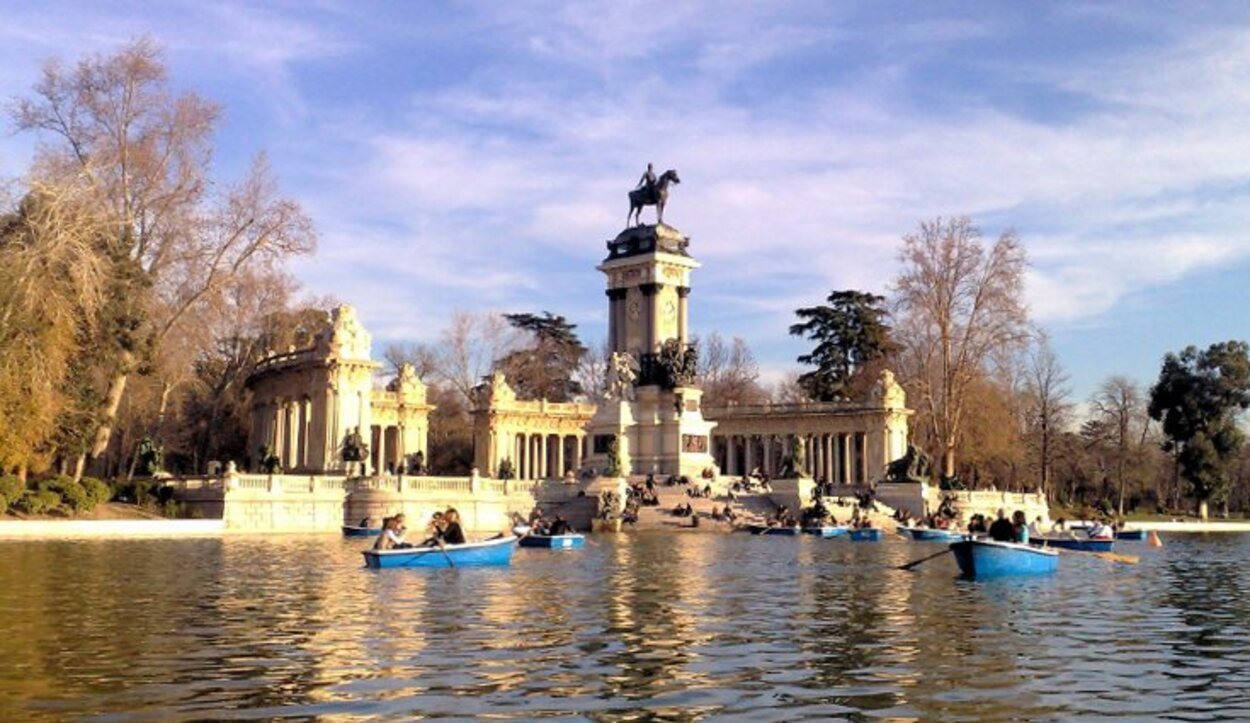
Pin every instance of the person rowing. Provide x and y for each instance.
(453, 534)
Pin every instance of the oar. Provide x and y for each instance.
(1108, 556)
(443, 549)
(914, 563)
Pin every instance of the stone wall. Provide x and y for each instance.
(318, 503)
(921, 499)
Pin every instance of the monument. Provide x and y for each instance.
(652, 420)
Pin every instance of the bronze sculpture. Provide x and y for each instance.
(650, 192)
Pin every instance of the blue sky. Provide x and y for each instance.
(476, 155)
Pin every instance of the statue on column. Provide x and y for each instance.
(651, 191)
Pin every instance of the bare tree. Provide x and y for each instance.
(422, 357)
(728, 372)
(469, 347)
(592, 371)
(789, 390)
(957, 304)
(144, 154)
(1121, 411)
(1047, 409)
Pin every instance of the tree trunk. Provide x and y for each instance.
(1202, 510)
(948, 461)
(22, 470)
(79, 465)
(112, 403)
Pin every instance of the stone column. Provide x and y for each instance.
(845, 442)
(683, 317)
(275, 441)
(830, 465)
(616, 319)
(651, 312)
(560, 442)
(861, 440)
(768, 454)
(731, 455)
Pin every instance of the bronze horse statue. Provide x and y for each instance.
(656, 195)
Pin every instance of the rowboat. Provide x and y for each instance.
(358, 531)
(1131, 535)
(866, 534)
(471, 554)
(563, 542)
(930, 534)
(1083, 544)
(766, 530)
(986, 558)
(827, 531)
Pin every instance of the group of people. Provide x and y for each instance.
(704, 492)
(1018, 529)
(756, 481)
(643, 493)
(444, 529)
(540, 525)
(934, 521)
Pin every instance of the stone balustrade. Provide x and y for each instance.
(311, 503)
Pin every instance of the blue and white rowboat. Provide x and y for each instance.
(986, 558)
(559, 542)
(930, 534)
(766, 530)
(1131, 535)
(496, 552)
(866, 534)
(358, 531)
(1081, 544)
(827, 531)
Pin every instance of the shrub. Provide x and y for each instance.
(136, 491)
(37, 502)
(71, 493)
(98, 491)
(11, 489)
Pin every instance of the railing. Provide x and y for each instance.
(284, 359)
(792, 408)
(251, 482)
(438, 484)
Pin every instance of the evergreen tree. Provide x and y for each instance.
(850, 334)
(1197, 398)
(545, 368)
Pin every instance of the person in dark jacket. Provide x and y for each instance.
(1002, 530)
(453, 534)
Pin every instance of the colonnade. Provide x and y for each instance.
(285, 427)
(546, 456)
(833, 457)
(393, 446)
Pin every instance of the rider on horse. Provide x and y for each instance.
(648, 179)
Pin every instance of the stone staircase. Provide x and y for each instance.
(661, 517)
(754, 507)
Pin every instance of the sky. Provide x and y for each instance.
(476, 156)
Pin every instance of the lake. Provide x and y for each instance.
(634, 627)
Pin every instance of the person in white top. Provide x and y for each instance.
(1101, 531)
(1035, 529)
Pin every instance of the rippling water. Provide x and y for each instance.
(644, 627)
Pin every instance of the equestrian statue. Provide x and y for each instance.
(651, 191)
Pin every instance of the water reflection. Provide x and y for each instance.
(660, 627)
